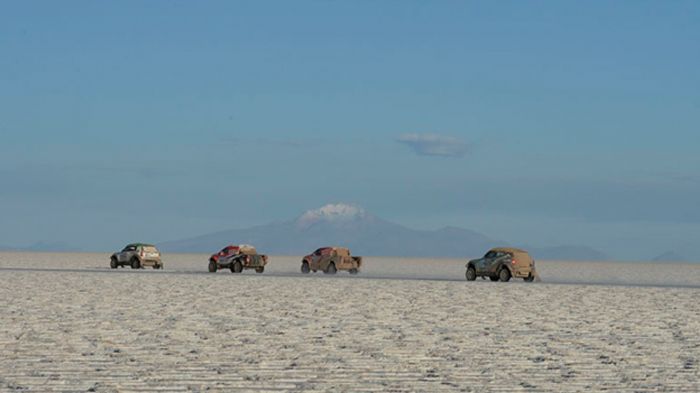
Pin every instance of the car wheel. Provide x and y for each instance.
(471, 273)
(331, 268)
(504, 275)
(305, 267)
(212, 267)
(354, 271)
(529, 278)
(493, 278)
(113, 263)
(260, 269)
(237, 267)
(135, 264)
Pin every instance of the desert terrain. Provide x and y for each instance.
(68, 323)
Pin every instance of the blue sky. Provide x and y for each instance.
(543, 122)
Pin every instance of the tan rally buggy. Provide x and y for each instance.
(331, 259)
(502, 263)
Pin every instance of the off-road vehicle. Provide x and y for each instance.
(330, 260)
(502, 264)
(137, 255)
(238, 258)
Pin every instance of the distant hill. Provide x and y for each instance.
(345, 225)
(568, 253)
(41, 247)
(669, 256)
(364, 234)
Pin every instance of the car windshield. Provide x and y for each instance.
(230, 250)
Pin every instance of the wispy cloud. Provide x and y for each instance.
(434, 145)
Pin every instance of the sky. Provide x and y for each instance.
(543, 122)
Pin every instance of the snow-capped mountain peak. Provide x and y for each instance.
(332, 213)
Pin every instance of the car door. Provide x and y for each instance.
(495, 262)
(120, 255)
(127, 252)
(226, 256)
(482, 265)
(321, 260)
(316, 260)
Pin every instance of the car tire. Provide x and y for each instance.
(470, 274)
(330, 269)
(354, 271)
(237, 267)
(260, 269)
(135, 264)
(113, 263)
(504, 275)
(212, 267)
(529, 278)
(305, 267)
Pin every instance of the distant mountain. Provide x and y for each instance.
(41, 247)
(346, 225)
(669, 256)
(364, 234)
(567, 253)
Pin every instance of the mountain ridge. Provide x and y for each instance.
(365, 234)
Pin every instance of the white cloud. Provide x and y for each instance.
(434, 145)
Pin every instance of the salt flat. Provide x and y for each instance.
(68, 323)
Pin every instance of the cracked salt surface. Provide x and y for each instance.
(72, 326)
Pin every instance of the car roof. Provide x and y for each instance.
(335, 248)
(509, 249)
(140, 245)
